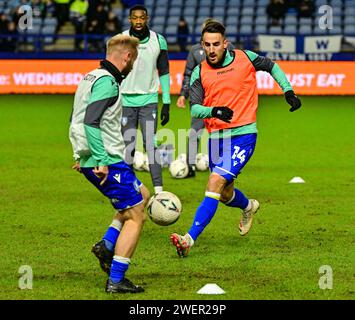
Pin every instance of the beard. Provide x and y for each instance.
(127, 69)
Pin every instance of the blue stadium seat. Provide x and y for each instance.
(231, 33)
(197, 29)
(150, 9)
(335, 30)
(246, 29)
(248, 11)
(170, 33)
(234, 11)
(230, 21)
(177, 3)
(175, 11)
(337, 11)
(159, 28)
(200, 20)
(261, 20)
(320, 2)
(160, 11)
(349, 3)
(246, 20)
(234, 3)
(349, 20)
(125, 14)
(260, 29)
(37, 21)
(50, 30)
(191, 3)
(349, 30)
(190, 21)
(275, 30)
(158, 20)
(50, 21)
(260, 11)
(336, 3)
(13, 3)
(173, 21)
(35, 30)
(305, 21)
(318, 31)
(350, 11)
(218, 11)
(290, 19)
(149, 2)
(262, 3)
(160, 3)
(189, 11)
(205, 3)
(204, 11)
(338, 20)
(220, 3)
(290, 29)
(305, 29)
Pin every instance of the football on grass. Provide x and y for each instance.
(164, 208)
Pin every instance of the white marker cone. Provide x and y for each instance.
(211, 288)
(297, 180)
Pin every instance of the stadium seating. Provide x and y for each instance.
(246, 17)
(241, 18)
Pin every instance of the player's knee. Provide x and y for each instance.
(216, 183)
(135, 214)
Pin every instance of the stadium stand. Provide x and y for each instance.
(244, 19)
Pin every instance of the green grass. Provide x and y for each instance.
(50, 216)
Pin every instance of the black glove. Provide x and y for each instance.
(293, 100)
(164, 116)
(223, 113)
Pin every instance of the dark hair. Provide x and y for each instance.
(214, 27)
(138, 7)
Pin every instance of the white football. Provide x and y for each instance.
(138, 160)
(179, 169)
(164, 208)
(145, 166)
(182, 157)
(202, 162)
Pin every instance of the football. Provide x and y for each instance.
(182, 157)
(179, 169)
(164, 208)
(202, 162)
(138, 160)
(145, 165)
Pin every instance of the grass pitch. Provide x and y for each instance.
(50, 215)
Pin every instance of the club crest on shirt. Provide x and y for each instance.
(124, 121)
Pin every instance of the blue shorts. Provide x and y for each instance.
(228, 156)
(121, 187)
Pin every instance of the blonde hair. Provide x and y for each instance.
(121, 43)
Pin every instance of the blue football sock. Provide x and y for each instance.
(238, 200)
(119, 267)
(112, 235)
(204, 214)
